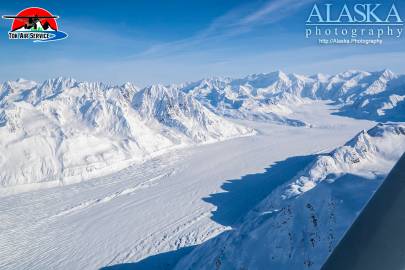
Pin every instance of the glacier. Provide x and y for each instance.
(261, 172)
(300, 222)
(67, 131)
(63, 131)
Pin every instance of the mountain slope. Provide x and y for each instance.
(63, 130)
(174, 110)
(92, 126)
(256, 97)
(273, 96)
(299, 223)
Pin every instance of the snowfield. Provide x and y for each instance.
(263, 172)
(63, 131)
(300, 222)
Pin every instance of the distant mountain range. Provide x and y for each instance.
(65, 130)
(371, 95)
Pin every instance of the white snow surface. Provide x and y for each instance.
(300, 222)
(148, 214)
(273, 96)
(64, 131)
(263, 172)
(369, 151)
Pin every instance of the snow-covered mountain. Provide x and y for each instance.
(261, 97)
(64, 130)
(299, 223)
(271, 97)
(176, 111)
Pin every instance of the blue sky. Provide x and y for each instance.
(173, 41)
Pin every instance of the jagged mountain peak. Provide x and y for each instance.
(277, 75)
(93, 85)
(352, 73)
(20, 84)
(130, 86)
(157, 88)
(295, 76)
(58, 83)
(263, 96)
(348, 158)
(157, 92)
(21, 80)
(256, 93)
(174, 109)
(89, 126)
(387, 74)
(163, 102)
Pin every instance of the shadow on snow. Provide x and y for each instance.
(241, 195)
(161, 261)
(238, 198)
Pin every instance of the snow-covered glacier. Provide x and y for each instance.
(300, 222)
(261, 172)
(63, 130)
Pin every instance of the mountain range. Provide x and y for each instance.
(377, 95)
(65, 130)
